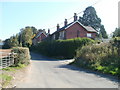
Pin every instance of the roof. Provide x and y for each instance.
(88, 28)
(39, 33)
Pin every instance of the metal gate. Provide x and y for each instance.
(7, 60)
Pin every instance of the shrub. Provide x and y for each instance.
(22, 56)
(103, 57)
(62, 48)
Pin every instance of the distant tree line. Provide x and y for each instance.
(22, 39)
(89, 18)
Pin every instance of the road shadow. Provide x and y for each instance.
(39, 57)
(98, 74)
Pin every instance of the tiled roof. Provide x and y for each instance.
(39, 33)
(88, 28)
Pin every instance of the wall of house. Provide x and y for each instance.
(77, 31)
(43, 36)
(93, 34)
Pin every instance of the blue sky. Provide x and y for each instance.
(46, 14)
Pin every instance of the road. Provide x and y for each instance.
(51, 73)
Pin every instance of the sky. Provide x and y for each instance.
(44, 14)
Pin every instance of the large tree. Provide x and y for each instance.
(11, 42)
(116, 33)
(26, 36)
(90, 18)
(14, 41)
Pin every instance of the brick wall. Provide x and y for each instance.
(77, 31)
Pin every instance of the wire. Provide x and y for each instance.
(77, 14)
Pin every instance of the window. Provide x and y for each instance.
(61, 36)
(89, 35)
(54, 37)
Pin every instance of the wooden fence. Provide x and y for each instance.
(6, 60)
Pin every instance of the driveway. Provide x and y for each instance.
(50, 73)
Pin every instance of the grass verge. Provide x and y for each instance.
(5, 80)
(5, 77)
(14, 68)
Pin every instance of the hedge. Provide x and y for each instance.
(61, 48)
(22, 56)
(102, 57)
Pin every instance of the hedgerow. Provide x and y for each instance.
(61, 48)
(104, 57)
(22, 55)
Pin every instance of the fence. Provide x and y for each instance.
(6, 60)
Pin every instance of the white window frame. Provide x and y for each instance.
(89, 35)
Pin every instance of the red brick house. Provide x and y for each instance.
(73, 30)
(40, 36)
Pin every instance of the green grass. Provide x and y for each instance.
(108, 69)
(5, 79)
(14, 68)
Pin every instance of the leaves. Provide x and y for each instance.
(90, 18)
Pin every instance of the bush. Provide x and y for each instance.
(102, 57)
(22, 56)
(62, 48)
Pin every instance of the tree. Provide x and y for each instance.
(26, 36)
(11, 42)
(116, 33)
(6, 44)
(90, 18)
(34, 30)
(103, 32)
(0, 40)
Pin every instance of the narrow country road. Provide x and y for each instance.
(49, 73)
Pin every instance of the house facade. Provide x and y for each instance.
(68, 31)
(73, 30)
(40, 36)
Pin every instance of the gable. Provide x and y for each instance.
(87, 28)
(40, 33)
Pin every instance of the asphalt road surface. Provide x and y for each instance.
(51, 73)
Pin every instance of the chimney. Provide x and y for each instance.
(48, 31)
(65, 22)
(75, 17)
(58, 26)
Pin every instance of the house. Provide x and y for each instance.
(40, 36)
(73, 30)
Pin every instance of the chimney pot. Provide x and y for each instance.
(65, 22)
(48, 31)
(58, 26)
(75, 17)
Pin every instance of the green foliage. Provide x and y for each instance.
(90, 18)
(22, 57)
(102, 57)
(103, 32)
(6, 44)
(11, 42)
(26, 36)
(62, 48)
(14, 68)
(116, 33)
(5, 79)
